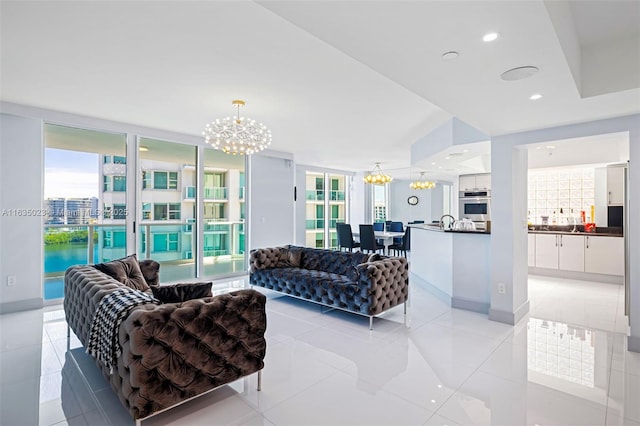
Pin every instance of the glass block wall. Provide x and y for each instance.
(561, 194)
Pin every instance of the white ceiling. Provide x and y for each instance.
(341, 84)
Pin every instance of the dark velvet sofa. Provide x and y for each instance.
(352, 281)
(171, 352)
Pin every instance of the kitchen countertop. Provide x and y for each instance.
(602, 231)
(593, 234)
(436, 228)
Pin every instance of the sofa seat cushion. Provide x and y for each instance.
(331, 289)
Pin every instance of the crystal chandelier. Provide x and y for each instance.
(237, 135)
(377, 177)
(422, 184)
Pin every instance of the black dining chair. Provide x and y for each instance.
(368, 239)
(404, 246)
(396, 227)
(345, 237)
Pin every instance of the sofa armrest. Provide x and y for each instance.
(264, 258)
(174, 351)
(386, 282)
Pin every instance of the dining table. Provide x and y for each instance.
(385, 236)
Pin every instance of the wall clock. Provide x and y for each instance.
(413, 200)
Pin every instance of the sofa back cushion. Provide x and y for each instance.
(332, 261)
(125, 270)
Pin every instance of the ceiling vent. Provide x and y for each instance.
(519, 73)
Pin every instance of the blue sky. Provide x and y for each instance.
(70, 173)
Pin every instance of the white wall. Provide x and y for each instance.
(402, 211)
(271, 207)
(21, 171)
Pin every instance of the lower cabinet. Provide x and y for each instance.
(532, 249)
(571, 253)
(578, 253)
(547, 251)
(604, 255)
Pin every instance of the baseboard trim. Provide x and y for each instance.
(633, 343)
(510, 318)
(470, 305)
(413, 279)
(20, 305)
(575, 275)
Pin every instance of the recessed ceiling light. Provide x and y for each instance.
(535, 96)
(447, 56)
(456, 154)
(433, 164)
(465, 150)
(519, 73)
(490, 37)
(447, 158)
(550, 147)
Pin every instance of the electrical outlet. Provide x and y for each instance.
(501, 288)
(11, 280)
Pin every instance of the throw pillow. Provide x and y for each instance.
(357, 258)
(181, 292)
(289, 257)
(125, 270)
(150, 271)
(374, 257)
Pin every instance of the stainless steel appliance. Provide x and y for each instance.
(476, 205)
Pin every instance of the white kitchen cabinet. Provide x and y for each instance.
(483, 181)
(615, 185)
(467, 182)
(604, 255)
(547, 251)
(532, 249)
(474, 182)
(571, 253)
(578, 253)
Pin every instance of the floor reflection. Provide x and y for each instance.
(561, 350)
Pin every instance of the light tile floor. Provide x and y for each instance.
(566, 363)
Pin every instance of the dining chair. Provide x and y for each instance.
(345, 237)
(368, 239)
(405, 245)
(378, 226)
(396, 227)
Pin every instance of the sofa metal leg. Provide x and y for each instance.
(259, 380)
(405, 308)
(370, 323)
(68, 338)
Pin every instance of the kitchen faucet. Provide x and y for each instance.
(453, 220)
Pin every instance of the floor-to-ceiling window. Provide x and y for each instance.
(224, 213)
(326, 204)
(167, 206)
(85, 207)
(380, 207)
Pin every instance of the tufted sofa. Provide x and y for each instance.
(172, 352)
(352, 281)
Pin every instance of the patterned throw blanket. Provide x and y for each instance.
(113, 308)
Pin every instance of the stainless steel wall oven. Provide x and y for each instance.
(475, 205)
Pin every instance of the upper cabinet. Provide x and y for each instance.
(615, 185)
(473, 182)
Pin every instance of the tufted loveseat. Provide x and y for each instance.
(352, 281)
(171, 352)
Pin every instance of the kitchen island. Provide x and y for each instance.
(454, 265)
